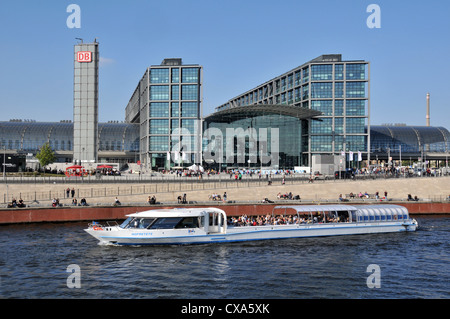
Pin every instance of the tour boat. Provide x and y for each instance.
(211, 225)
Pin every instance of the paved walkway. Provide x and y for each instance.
(429, 188)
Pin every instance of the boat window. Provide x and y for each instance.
(145, 222)
(343, 216)
(165, 223)
(188, 222)
(125, 223)
(137, 223)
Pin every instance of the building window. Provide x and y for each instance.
(339, 72)
(298, 77)
(339, 125)
(355, 89)
(159, 92)
(174, 125)
(189, 109)
(339, 90)
(175, 75)
(159, 126)
(323, 127)
(322, 72)
(305, 94)
(325, 106)
(355, 108)
(189, 75)
(159, 109)
(189, 125)
(189, 92)
(338, 143)
(338, 107)
(305, 75)
(355, 143)
(175, 111)
(355, 125)
(175, 92)
(159, 143)
(321, 143)
(322, 90)
(356, 71)
(159, 75)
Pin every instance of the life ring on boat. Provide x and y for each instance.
(97, 228)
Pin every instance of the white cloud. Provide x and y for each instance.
(106, 61)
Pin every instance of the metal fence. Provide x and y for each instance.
(155, 185)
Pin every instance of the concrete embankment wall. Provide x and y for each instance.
(104, 213)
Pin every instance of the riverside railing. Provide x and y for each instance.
(152, 186)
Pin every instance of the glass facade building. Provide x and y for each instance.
(404, 142)
(256, 136)
(167, 104)
(118, 142)
(336, 88)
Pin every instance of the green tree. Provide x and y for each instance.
(45, 155)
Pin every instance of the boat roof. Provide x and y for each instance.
(318, 208)
(327, 208)
(176, 212)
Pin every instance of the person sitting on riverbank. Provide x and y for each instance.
(215, 196)
(83, 202)
(21, 203)
(151, 200)
(117, 202)
(74, 202)
(55, 202)
(13, 203)
(342, 198)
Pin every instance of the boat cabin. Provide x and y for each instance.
(211, 220)
(383, 213)
(346, 213)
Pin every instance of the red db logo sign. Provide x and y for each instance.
(84, 56)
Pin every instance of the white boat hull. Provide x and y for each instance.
(119, 236)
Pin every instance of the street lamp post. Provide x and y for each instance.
(4, 162)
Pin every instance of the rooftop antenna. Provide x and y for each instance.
(79, 39)
(428, 109)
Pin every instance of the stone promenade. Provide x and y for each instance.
(425, 188)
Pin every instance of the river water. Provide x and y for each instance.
(36, 261)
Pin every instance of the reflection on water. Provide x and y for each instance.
(34, 262)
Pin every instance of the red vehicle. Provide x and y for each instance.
(75, 170)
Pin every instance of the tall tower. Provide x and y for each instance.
(428, 109)
(85, 102)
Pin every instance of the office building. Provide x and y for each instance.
(167, 104)
(338, 89)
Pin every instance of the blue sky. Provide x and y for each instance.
(240, 44)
